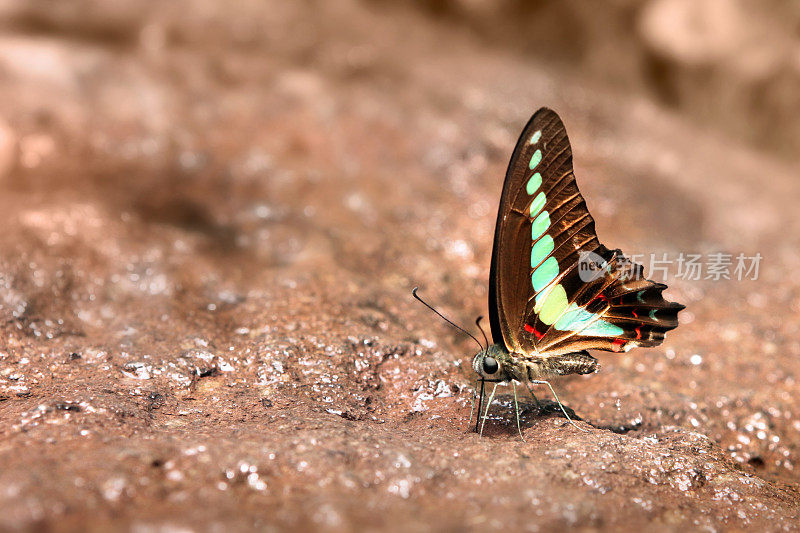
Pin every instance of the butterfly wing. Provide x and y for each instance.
(553, 287)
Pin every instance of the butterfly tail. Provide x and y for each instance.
(644, 315)
(630, 311)
(637, 306)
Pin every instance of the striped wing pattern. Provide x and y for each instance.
(542, 299)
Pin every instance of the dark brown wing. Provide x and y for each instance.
(541, 300)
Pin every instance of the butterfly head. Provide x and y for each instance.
(491, 364)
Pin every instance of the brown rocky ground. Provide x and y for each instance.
(212, 219)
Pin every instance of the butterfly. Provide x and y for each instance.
(554, 290)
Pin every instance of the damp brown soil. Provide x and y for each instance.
(212, 220)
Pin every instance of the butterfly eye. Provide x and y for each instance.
(490, 365)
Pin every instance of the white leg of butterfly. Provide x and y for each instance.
(542, 382)
(516, 407)
(489, 403)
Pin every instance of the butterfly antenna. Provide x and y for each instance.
(478, 323)
(459, 328)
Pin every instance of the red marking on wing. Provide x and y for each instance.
(638, 332)
(617, 345)
(635, 315)
(600, 296)
(531, 329)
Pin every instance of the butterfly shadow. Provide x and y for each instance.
(502, 413)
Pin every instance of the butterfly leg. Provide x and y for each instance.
(480, 404)
(516, 406)
(541, 382)
(488, 404)
(472, 406)
(539, 405)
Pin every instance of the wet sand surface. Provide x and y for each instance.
(212, 221)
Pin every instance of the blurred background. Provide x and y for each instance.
(213, 213)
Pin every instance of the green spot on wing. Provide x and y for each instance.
(540, 225)
(584, 323)
(550, 306)
(544, 274)
(541, 250)
(601, 328)
(574, 318)
(536, 158)
(536, 136)
(538, 204)
(534, 183)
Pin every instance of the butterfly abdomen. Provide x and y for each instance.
(560, 365)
